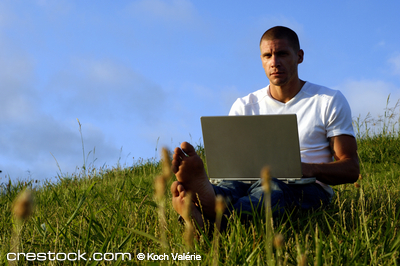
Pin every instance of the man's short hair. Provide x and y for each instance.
(280, 32)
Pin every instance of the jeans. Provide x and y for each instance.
(245, 198)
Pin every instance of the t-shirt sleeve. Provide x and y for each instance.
(338, 115)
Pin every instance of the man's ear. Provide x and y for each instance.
(300, 54)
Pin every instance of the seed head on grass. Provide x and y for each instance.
(219, 210)
(189, 229)
(23, 205)
(279, 241)
(159, 187)
(22, 209)
(266, 179)
(166, 163)
(303, 260)
(160, 181)
(187, 209)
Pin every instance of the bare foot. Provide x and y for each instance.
(178, 202)
(189, 170)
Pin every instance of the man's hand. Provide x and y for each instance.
(345, 168)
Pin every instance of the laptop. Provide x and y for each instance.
(238, 147)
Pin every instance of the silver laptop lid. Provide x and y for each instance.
(237, 147)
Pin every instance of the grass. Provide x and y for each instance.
(116, 211)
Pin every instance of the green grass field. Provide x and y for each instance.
(115, 211)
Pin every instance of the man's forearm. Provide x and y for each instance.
(334, 173)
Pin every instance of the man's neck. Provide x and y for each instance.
(286, 92)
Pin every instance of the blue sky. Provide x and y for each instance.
(139, 74)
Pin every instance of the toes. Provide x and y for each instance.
(176, 160)
(174, 169)
(174, 189)
(175, 166)
(178, 153)
(188, 148)
(177, 189)
(181, 190)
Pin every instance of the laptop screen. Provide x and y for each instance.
(237, 147)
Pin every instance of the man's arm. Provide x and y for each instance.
(345, 168)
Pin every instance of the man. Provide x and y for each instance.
(325, 131)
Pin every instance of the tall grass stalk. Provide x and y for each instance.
(189, 229)
(22, 210)
(278, 244)
(219, 211)
(83, 148)
(269, 228)
(318, 248)
(160, 184)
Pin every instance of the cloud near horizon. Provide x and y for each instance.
(33, 131)
(394, 61)
(360, 93)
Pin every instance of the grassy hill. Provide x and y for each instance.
(115, 211)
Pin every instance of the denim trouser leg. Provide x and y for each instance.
(244, 198)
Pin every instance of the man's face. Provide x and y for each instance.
(280, 61)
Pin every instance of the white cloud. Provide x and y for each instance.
(29, 134)
(369, 96)
(16, 98)
(370, 105)
(104, 89)
(395, 63)
(29, 146)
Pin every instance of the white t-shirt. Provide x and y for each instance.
(321, 113)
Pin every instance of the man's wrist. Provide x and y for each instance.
(308, 169)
